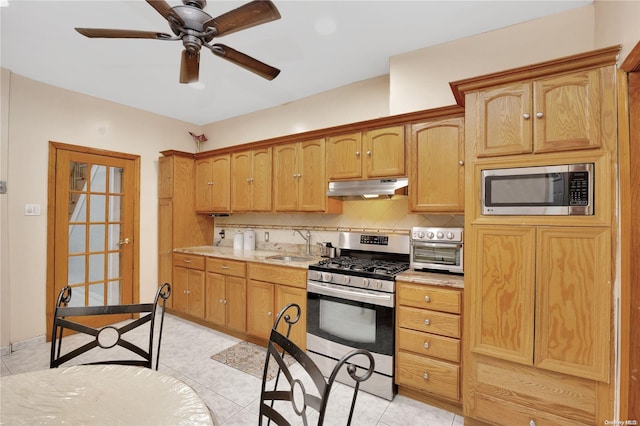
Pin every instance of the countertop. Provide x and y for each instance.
(263, 256)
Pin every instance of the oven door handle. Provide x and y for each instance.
(384, 299)
(417, 244)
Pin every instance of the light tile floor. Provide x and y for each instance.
(233, 395)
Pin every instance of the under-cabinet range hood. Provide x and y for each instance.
(370, 188)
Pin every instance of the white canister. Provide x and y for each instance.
(249, 239)
(238, 241)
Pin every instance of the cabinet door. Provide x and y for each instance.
(196, 293)
(566, 112)
(573, 301)
(261, 180)
(504, 120)
(203, 185)
(165, 177)
(312, 184)
(502, 292)
(344, 159)
(384, 152)
(436, 172)
(241, 176)
(260, 315)
(179, 289)
(165, 242)
(221, 173)
(236, 303)
(215, 298)
(285, 177)
(284, 296)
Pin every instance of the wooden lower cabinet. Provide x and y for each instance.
(188, 284)
(428, 340)
(269, 289)
(226, 293)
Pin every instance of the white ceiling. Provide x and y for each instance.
(39, 42)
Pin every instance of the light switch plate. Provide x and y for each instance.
(32, 209)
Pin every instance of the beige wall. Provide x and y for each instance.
(40, 113)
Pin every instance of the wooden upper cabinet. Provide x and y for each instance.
(573, 301)
(213, 189)
(384, 152)
(370, 154)
(251, 180)
(436, 166)
(299, 182)
(557, 113)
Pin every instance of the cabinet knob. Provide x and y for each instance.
(427, 322)
(526, 116)
(461, 162)
(221, 301)
(532, 422)
(224, 267)
(427, 299)
(269, 314)
(369, 153)
(425, 376)
(426, 345)
(209, 183)
(539, 114)
(224, 301)
(357, 153)
(187, 261)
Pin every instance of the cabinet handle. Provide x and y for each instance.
(357, 153)
(539, 114)
(427, 322)
(427, 299)
(425, 376)
(426, 345)
(224, 267)
(187, 261)
(526, 115)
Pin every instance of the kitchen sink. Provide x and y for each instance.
(289, 258)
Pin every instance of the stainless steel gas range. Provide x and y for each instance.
(351, 304)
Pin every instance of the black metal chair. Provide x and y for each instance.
(111, 335)
(273, 402)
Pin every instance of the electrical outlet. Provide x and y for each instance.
(266, 237)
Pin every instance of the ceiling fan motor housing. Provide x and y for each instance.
(193, 18)
(200, 4)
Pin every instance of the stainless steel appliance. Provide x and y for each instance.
(351, 304)
(542, 190)
(437, 249)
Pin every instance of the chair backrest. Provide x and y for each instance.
(287, 404)
(109, 336)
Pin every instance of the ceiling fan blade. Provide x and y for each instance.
(246, 16)
(164, 9)
(189, 67)
(110, 33)
(245, 61)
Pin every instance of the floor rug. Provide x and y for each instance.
(249, 358)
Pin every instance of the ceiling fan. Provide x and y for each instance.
(196, 28)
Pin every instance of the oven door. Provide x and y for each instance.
(351, 317)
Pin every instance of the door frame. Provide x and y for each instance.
(629, 139)
(51, 294)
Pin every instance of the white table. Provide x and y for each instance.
(100, 395)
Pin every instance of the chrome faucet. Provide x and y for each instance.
(307, 239)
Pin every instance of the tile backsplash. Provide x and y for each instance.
(384, 216)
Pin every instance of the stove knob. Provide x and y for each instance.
(430, 235)
(365, 282)
(326, 277)
(450, 235)
(346, 279)
(421, 234)
(440, 235)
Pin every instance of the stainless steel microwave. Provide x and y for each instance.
(562, 190)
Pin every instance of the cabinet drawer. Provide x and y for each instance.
(235, 268)
(500, 412)
(429, 321)
(191, 261)
(429, 344)
(429, 297)
(428, 374)
(294, 277)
